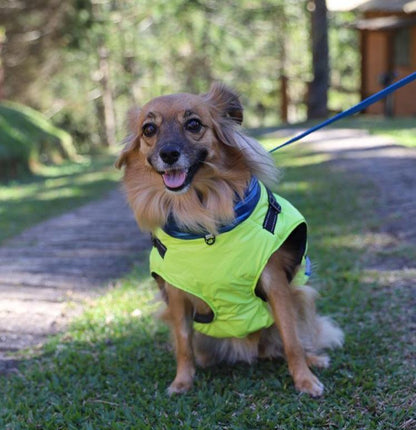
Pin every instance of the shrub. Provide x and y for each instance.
(27, 137)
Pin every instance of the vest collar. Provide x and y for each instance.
(243, 208)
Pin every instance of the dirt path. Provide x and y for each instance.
(390, 167)
(74, 256)
(48, 271)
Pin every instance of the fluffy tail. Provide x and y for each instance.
(316, 332)
(329, 334)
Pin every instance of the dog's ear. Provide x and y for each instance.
(225, 101)
(132, 140)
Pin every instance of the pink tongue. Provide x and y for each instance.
(174, 178)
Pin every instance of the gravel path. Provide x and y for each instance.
(73, 257)
(47, 272)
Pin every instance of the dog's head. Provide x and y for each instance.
(186, 158)
(177, 134)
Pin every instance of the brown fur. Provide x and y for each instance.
(226, 160)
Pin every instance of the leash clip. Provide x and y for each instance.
(209, 239)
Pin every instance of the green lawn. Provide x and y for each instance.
(402, 130)
(111, 369)
(52, 191)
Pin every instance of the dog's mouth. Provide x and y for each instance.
(175, 180)
(179, 179)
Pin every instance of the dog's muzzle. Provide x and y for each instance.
(176, 170)
(170, 154)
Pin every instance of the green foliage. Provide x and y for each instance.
(344, 61)
(26, 136)
(156, 47)
(111, 369)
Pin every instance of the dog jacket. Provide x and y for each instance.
(223, 270)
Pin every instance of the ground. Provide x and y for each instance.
(48, 271)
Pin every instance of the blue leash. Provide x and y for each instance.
(357, 108)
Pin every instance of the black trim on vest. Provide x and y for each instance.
(204, 318)
(159, 246)
(260, 294)
(273, 212)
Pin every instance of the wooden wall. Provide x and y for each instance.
(377, 49)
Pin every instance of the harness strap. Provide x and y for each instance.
(159, 246)
(269, 224)
(273, 212)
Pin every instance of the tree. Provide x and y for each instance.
(33, 37)
(86, 62)
(318, 88)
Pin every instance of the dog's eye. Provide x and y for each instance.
(149, 129)
(193, 125)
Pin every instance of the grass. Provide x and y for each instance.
(402, 131)
(54, 190)
(111, 369)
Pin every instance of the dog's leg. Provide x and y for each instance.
(180, 314)
(277, 288)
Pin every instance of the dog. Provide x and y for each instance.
(229, 255)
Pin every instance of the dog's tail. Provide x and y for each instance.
(329, 334)
(260, 161)
(317, 332)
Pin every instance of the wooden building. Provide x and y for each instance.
(388, 50)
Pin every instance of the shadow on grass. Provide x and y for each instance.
(112, 368)
(117, 377)
(32, 199)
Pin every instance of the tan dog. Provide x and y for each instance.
(187, 165)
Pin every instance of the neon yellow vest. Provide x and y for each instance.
(225, 274)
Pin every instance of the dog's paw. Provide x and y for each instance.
(308, 383)
(317, 360)
(179, 386)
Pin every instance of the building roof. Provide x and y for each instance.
(407, 6)
(342, 5)
(384, 23)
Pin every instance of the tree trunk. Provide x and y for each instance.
(109, 120)
(1, 64)
(318, 88)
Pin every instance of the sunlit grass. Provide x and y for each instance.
(401, 130)
(111, 369)
(53, 190)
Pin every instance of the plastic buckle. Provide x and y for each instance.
(209, 239)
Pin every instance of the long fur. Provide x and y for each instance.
(207, 205)
(299, 335)
(210, 202)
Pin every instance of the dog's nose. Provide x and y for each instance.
(169, 154)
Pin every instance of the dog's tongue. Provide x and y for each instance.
(174, 178)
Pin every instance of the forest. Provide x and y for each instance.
(84, 63)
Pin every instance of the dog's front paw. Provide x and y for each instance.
(179, 386)
(308, 383)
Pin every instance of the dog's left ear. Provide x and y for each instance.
(225, 101)
(132, 141)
